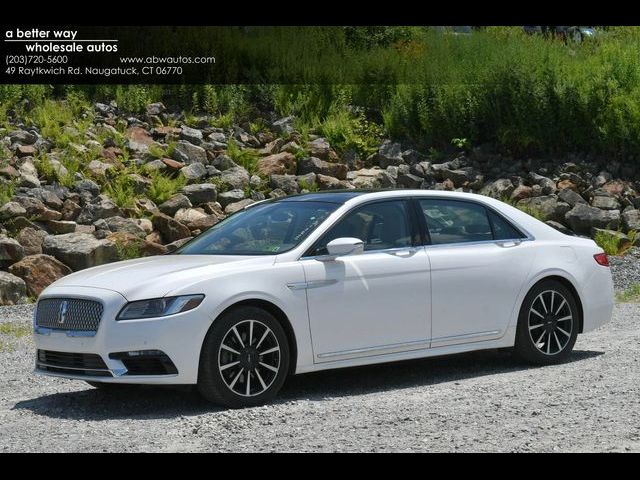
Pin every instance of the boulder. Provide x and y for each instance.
(287, 183)
(235, 178)
(325, 182)
(194, 172)
(499, 189)
(190, 216)
(389, 153)
(631, 220)
(61, 226)
(175, 203)
(38, 272)
(547, 185)
(79, 250)
(11, 210)
(201, 193)
(13, 290)
(70, 210)
(231, 196)
(548, 207)
(223, 162)
(31, 240)
(605, 202)
(234, 207)
(191, 135)
(169, 228)
(319, 166)
(188, 153)
(521, 192)
(582, 217)
(320, 148)
(571, 197)
(283, 126)
(278, 164)
(131, 246)
(127, 225)
(102, 207)
(368, 178)
(10, 251)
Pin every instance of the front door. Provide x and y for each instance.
(374, 303)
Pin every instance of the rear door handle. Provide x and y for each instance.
(509, 243)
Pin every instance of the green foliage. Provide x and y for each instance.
(304, 185)
(121, 189)
(7, 190)
(631, 294)
(345, 131)
(247, 157)
(612, 243)
(128, 250)
(163, 186)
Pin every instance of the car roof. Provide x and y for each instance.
(331, 196)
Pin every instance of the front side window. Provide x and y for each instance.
(451, 221)
(380, 225)
(265, 229)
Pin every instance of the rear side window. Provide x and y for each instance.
(503, 230)
(451, 221)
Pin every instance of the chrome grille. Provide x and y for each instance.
(69, 314)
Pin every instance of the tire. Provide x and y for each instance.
(547, 325)
(244, 360)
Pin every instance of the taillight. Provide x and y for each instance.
(602, 259)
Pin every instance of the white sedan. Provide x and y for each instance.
(326, 280)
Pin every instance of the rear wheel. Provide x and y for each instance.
(244, 360)
(547, 324)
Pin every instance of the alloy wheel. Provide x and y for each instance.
(550, 322)
(249, 358)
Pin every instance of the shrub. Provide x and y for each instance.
(246, 157)
(163, 186)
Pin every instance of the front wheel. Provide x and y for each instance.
(244, 360)
(547, 324)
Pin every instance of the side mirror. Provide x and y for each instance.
(341, 247)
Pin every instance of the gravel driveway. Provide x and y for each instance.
(482, 401)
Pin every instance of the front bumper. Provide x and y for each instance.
(179, 337)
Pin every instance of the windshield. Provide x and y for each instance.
(265, 229)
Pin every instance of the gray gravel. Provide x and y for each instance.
(626, 269)
(482, 401)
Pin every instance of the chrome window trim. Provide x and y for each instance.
(368, 252)
(528, 237)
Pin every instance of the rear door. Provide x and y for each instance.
(479, 263)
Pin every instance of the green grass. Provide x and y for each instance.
(612, 245)
(526, 95)
(247, 157)
(126, 250)
(14, 329)
(163, 186)
(631, 294)
(121, 190)
(7, 190)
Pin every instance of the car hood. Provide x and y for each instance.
(154, 277)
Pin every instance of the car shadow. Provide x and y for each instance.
(151, 402)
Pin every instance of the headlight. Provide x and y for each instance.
(159, 307)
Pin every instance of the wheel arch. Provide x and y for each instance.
(282, 318)
(571, 287)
